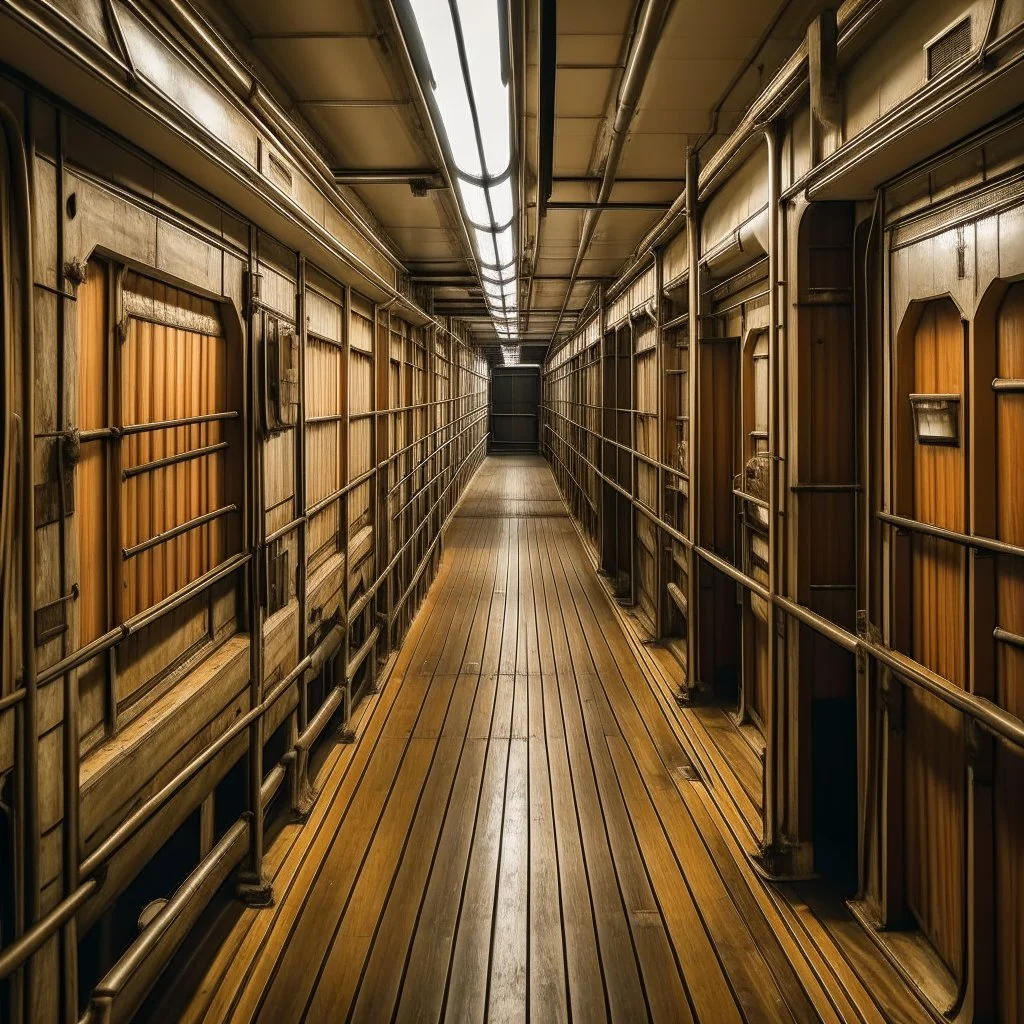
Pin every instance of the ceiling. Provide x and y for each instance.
(341, 67)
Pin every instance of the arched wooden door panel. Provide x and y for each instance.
(1009, 768)
(754, 482)
(933, 740)
(158, 484)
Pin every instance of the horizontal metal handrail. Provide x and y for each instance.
(172, 460)
(149, 807)
(182, 421)
(177, 531)
(143, 619)
(967, 540)
(14, 955)
(360, 656)
(989, 716)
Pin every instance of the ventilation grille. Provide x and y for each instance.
(947, 50)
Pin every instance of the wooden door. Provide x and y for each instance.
(718, 650)
(1009, 769)
(754, 482)
(827, 399)
(933, 744)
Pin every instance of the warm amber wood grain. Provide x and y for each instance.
(1009, 780)
(511, 837)
(934, 786)
(172, 361)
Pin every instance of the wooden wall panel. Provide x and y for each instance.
(647, 443)
(1009, 770)
(173, 363)
(933, 745)
(324, 384)
(91, 487)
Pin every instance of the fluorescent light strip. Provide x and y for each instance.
(437, 31)
(481, 36)
(462, 40)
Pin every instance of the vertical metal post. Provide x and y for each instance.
(773, 776)
(394, 471)
(23, 182)
(690, 683)
(660, 545)
(299, 718)
(601, 424)
(343, 512)
(252, 888)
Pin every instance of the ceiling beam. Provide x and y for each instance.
(329, 102)
(582, 205)
(546, 105)
(594, 179)
(265, 37)
(579, 277)
(428, 177)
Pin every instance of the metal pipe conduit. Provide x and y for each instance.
(15, 954)
(94, 865)
(143, 619)
(992, 718)
(208, 874)
(638, 65)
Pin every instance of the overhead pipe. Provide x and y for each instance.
(186, 16)
(546, 112)
(586, 204)
(638, 65)
(246, 84)
(425, 179)
(790, 79)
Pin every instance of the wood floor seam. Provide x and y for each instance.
(511, 836)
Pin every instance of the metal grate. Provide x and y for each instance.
(950, 48)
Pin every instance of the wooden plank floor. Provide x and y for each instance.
(517, 832)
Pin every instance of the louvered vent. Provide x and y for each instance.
(949, 48)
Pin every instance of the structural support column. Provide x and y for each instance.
(692, 355)
(773, 768)
(252, 887)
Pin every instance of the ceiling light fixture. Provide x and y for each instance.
(465, 73)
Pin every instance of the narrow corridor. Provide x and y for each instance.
(520, 826)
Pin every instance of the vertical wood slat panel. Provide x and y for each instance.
(754, 425)
(646, 398)
(172, 370)
(324, 384)
(933, 743)
(1009, 768)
